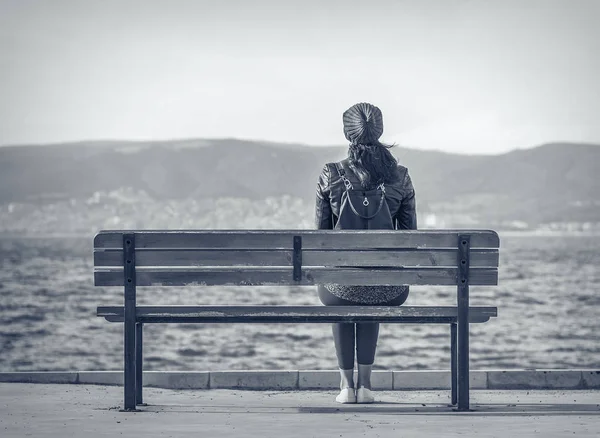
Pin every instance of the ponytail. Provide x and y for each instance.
(373, 164)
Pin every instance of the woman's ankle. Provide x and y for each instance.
(346, 378)
(364, 375)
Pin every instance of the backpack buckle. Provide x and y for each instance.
(347, 183)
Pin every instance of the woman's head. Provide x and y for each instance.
(363, 123)
(371, 160)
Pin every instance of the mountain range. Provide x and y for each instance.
(555, 182)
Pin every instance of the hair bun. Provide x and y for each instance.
(363, 123)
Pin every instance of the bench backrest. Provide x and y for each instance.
(295, 257)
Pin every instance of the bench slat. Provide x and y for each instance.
(295, 314)
(311, 239)
(283, 276)
(210, 257)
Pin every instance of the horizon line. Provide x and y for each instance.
(151, 142)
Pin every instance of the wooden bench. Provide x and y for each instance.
(296, 257)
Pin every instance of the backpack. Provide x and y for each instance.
(362, 209)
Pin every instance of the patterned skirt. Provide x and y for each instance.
(372, 295)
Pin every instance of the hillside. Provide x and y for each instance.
(551, 183)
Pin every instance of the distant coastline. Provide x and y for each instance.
(501, 232)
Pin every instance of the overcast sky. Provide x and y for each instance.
(480, 76)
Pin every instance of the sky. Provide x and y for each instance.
(466, 76)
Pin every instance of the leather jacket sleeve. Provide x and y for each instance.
(323, 213)
(406, 218)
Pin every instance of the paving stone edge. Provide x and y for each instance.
(321, 379)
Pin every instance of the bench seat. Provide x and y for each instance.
(297, 314)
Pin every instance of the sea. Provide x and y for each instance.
(548, 301)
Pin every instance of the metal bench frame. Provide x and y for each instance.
(134, 316)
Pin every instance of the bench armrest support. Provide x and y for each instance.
(464, 247)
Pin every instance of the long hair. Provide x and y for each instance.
(373, 164)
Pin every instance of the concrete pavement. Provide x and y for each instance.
(55, 410)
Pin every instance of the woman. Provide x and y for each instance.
(369, 165)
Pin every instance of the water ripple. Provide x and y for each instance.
(547, 299)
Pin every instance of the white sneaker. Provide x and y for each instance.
(346, 395)
(364, 395)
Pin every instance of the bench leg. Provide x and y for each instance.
(129, 368)
(463, 322)
(129, 324)
(139, 345)
(463, 368)
(453, 363)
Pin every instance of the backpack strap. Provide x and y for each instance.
(342, 174)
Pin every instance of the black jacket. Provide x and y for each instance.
(400, 197)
